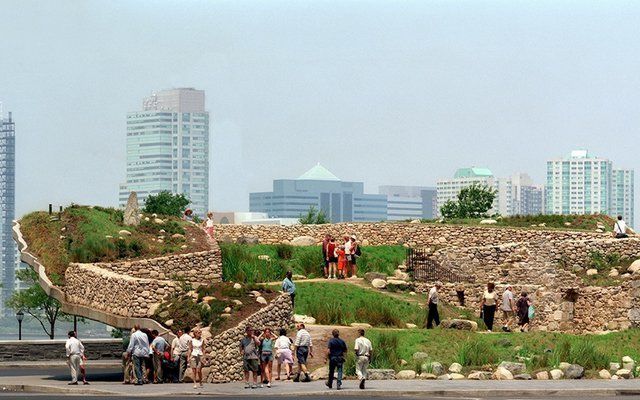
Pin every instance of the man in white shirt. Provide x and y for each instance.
(303, 348)
(138, 349)
(75, 351)
(620, 228)
(184, 343)
(433, 315)
(508, 308)
(364, 351)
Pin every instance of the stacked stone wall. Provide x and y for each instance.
(414, 235)
(222, 350)
(201, 267)
(88, 285)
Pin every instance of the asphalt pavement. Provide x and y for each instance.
(351, 397)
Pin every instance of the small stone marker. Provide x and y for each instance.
(132, 210)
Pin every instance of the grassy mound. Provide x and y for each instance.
(564, 222)
(91, 234)
(268, 263)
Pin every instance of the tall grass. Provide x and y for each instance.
(580, 351)
(386, 353)
(476, 352)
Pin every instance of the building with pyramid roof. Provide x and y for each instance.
(341, 201)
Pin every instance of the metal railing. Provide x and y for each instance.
(426, 268)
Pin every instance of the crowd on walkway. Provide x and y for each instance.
(519, 311)
(340, 257)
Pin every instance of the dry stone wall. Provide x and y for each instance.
(224, 359)
(201, 267)
(88, 285)
(387, 233)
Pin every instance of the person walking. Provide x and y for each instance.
(195, 358)
(620, 228)
(250, 360)
(175, 357)
(184, 344)
(208, 224)
(266, 354)
(303, 348)
(332, 258)
(139, 350)
(127, 362)
(336, 352)
(325, 254)
(488, 305)
(508, 308)
(158, 346)
(283, 353)
(75, 351)
(289, 287)
(364, 352)
(433, 315)
(522, 306)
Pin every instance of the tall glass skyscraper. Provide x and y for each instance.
(7, 207)
(168, 148)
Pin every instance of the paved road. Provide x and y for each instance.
(61, 373)
(351, 397)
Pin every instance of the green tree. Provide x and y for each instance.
(473, 202)
(166, 203)
(36, 302)
(313, 216)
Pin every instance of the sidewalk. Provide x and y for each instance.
(58, 363)
(576, 388)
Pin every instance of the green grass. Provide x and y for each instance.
(240, 263)
(539, 350)
(90, 234)
(575, 222)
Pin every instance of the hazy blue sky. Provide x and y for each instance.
(388, 92)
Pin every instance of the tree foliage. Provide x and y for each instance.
(36, 302)
(166, 203)
(473, 202)
(313, 216)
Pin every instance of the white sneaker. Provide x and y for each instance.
(269, 384)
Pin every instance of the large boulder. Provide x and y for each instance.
(480, 376)
(406, 374)
(248, 239)
(624, 373)
(304, 241)
(502, 374)
(604, 374)
(381, 374)
(574, 371)
(556, 374)
(514, 367)
(400, 275)
(426, 375)
(370, 276)
(305, 319)
(455, 368)
(456, 377)
(628, 363)
(460, 324)
(132, 210)
(436, 368)
(634, 267)
(542, 375)
(379, 283)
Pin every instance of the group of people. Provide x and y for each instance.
(522, 309)
(259, 350)
(340, 257)
(149, 358)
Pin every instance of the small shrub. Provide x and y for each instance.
(386, 354)
(284, 251)
(330, 313)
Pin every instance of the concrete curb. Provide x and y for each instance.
(59, 363)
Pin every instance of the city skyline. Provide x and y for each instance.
(441, 86)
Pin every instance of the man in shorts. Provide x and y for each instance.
(250, 359)
(508, 308)
(303, 349)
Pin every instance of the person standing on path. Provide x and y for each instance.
(266, 354)
(433, 315)
(488, 305)
(283, 353)
(250, 359)
(75, 351)
(325, 254)
(508, 308)
(195, 357)
(158, 346)
(303, 348)
(175, 356)
(184, 343)
(289, 287)
(355, 254)
(208, 224)
(139, 350)
(364, 351)
(336, 351)
(522, 306)
(332, 258)
(348, 256)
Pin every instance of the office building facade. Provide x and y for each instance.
(584, 184)
(339, 200)
(448, 189)
(8, 252)
(518, 195)
(168, 148)
(409, 202)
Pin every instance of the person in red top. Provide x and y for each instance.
(332, 258)
(342, 262)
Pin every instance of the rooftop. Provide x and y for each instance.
(318, 173)
(473, 172)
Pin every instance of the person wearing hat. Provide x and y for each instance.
(355, 254)
(508, 308)
(433, 315)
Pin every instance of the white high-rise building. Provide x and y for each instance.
(409, 202)
(585, 184)
(448, 189)
(168, 148)
(8, 250)
(518, 195)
